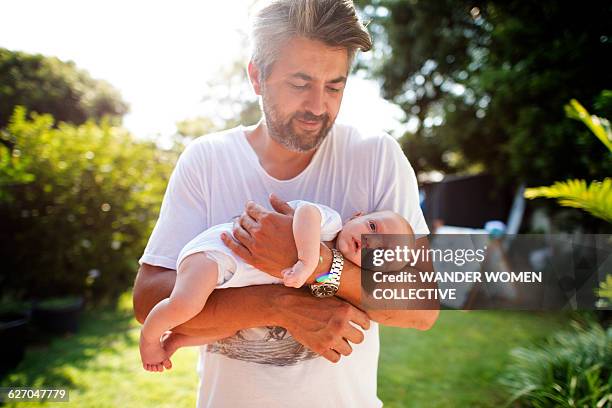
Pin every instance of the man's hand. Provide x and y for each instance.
(322, 325)
(264, 239)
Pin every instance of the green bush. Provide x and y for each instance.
(573, 369)
(77, 205)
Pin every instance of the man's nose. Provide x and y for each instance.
(315, 103)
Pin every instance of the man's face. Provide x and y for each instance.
(301, 96)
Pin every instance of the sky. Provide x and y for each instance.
(160, 55)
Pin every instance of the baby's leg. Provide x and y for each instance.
(195, 280)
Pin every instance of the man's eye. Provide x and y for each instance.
(372, 226)
(334, 90)
(298, 86)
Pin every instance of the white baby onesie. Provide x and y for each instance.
(234, 272)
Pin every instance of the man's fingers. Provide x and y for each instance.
(280, 205)
(236, 247)
(360, 318)
(242, 236)
(247, 222)
(331, 355)
(255, 210)
(354, 335)
(343, 347)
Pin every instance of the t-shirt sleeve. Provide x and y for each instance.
(396, 186)
(182, 213)
(331, 222)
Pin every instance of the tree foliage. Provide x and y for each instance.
(49, 85)
(488, 81)
(595, 198)
(77, 203)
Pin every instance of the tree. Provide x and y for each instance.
(488, 82)
(77, 205)
(48, 85)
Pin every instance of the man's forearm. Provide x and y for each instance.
(350, 290)
(225, 312)
(229, 310)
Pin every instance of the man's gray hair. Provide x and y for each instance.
(333, 22)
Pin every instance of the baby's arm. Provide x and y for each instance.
(307, 235)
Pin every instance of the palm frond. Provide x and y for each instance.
(595, 198)
(599, 126)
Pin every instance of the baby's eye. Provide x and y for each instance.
(372, 226)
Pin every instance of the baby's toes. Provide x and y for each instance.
(167, 364)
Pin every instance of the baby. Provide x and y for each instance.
(205, 264)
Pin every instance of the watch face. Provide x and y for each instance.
(324, 290)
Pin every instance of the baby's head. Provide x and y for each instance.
(379, 222)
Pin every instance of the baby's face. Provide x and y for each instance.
(381, 222)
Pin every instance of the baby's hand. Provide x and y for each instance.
(153, 356)
(297, 275)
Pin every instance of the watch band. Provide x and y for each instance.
(327, 284)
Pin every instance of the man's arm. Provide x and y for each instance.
(323, 327)
(350, 290)
(266, 242)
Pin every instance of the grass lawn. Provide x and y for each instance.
(454, 364)
(100, 366)
(458, 361)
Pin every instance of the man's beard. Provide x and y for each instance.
(284, 132)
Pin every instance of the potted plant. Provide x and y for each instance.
(58, 314)
(14, 320)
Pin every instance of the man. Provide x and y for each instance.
(277, 346)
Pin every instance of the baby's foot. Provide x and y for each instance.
(153, 355)
(173, 341)
(297, 275)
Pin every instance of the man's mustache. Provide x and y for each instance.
(310, 117)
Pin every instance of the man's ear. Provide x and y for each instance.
(254, 76)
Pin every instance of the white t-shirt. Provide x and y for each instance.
(213, 179)
(233, 271)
